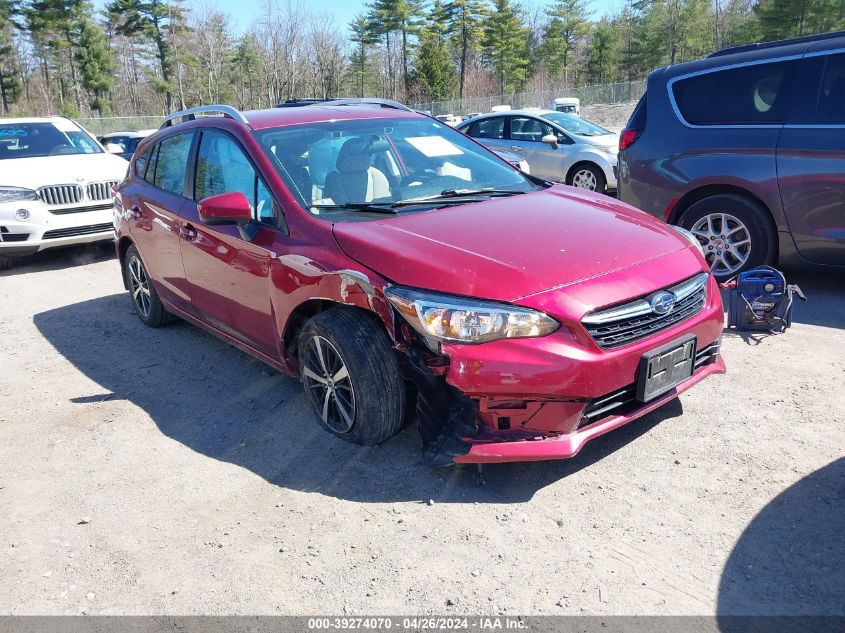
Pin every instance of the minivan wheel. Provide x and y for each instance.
(735, 232)
(145, 299)
(587, 176)
(351, 376)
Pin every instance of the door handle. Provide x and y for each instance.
(188, 232)
(516, 148)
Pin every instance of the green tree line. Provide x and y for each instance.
(152, 56)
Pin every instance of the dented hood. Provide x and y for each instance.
(507, 248)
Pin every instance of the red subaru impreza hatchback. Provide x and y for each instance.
(404, 271)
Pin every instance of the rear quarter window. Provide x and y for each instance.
(759, 94)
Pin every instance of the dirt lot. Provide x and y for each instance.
(161, 471)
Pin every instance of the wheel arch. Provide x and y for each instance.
(123, 245)
(583, 162)
(310, 308)
(707, 191)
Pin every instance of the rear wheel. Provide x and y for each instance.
(587, 176)
(147, 304)
(351, 375)
(735, 232)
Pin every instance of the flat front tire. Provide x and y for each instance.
(351, 375)
(144, 297)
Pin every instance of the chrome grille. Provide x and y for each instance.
(637, 320)
(56, 195)
(100, 190)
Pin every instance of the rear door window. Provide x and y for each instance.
(759, 94)
(172, 162)
(831, 107)
(493, 127)
(524, 128)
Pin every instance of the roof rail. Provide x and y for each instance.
(384, 103)
(190, 114)
(303, 101)
(807, 39)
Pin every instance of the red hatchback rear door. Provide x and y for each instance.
(154, 200)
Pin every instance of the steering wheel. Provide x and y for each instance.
(418, 177)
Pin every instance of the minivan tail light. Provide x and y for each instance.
(627, 138)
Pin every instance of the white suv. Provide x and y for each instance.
(55, 186)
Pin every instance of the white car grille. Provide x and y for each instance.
(60, 194)
(63, 196)
(100, 190)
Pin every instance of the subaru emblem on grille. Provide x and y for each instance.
(662, 302)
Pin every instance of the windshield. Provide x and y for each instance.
(575, 124)
(31, 140)
(336, 166)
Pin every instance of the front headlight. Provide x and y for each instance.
(12, 194)
(441, 317)
(692, 239)
(609, 149)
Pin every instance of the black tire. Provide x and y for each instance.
(758, 227)
(374, 387)
(595, 170)
(150, 309)
(7, 262)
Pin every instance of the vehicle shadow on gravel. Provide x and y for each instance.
(791, 558)
(224, 404)
(61, 258)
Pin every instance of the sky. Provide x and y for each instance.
(244, 12)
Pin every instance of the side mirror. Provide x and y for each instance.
(550, 139)
(225, 208)
(114, 148)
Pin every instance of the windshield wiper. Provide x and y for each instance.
(464, 193)
(368, 207)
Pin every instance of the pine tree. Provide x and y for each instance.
(156, 20)
(435, 69)
(96, 63)
(505, 44)
(465, 22)
(567, 23)
(361, 37)
(9, 84)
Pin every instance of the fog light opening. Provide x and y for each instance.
(22, 214)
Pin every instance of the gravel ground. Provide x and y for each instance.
(162, 471)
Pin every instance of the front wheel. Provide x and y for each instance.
(145, 299)
(351, 376)
(587, 176)
(735, 232)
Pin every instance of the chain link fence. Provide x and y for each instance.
(621, 92)
(104, 125)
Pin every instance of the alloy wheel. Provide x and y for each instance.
(726, 242)
(585, 179)
(139, 286)
(328, 384)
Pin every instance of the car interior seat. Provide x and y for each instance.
(354, 179)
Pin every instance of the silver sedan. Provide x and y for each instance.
(559, 146)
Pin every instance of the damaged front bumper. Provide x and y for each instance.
(493, 448)
(544, 398)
